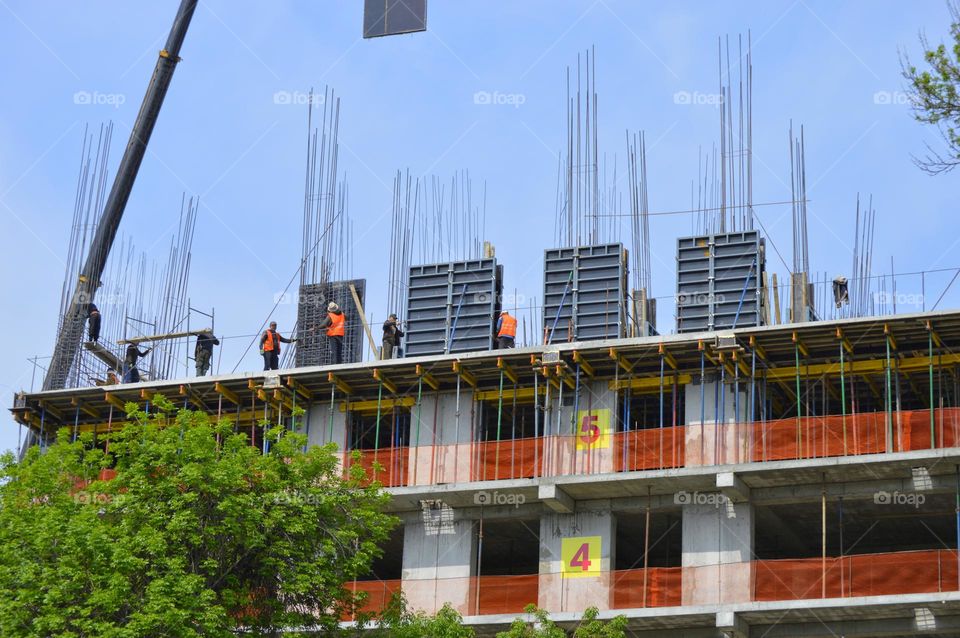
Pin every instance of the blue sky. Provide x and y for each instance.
(409, 102)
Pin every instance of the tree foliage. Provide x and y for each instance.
(542, 627)
(198, 534)
(934, 93)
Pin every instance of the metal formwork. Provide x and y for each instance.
(584, 293)
(719, 281)
(312, 347)
(452, 307)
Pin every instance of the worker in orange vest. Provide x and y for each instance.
(270, 347)
(506, 330)
(335, 324)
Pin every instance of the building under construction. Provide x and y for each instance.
(748, 474)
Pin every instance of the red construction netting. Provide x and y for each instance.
(507, 594)
(865, 433)
(513, 458)
(818, 436)
(890, 573)
(649, 449)
(663, 587)
(378, 595)
(914, 428)
(393, 459)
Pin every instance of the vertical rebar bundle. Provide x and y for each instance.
(432, 221)
(135, 297)
(724, 203)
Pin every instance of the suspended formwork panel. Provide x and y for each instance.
(584, 293)
(312, 346)
(719, 281)
(452, 307)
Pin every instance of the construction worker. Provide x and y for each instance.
(391, 337)
(335, 324)
(270, 347)
(506, 330)
(203, 352)
(93, 323)
(130, 372)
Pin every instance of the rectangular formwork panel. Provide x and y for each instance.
(584, 293)
(719, 276)
(312, 347)
(452, 307)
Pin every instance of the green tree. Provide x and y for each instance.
(934, 93)
(397, 621)
(198, 533)
(543, 627)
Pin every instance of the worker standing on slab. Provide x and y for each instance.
(335, 324)
(270, 347)
(130, 372)
(93, 323)
(203, 352)
(391, 337)
(506, 330)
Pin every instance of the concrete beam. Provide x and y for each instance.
(555, 498)
(730, 625)
(733, 487)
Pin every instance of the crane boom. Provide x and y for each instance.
(71, 328)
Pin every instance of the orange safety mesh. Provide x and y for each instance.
(889, 573)
(378, 595)
(818, 436)
(649, 449)
(912, 428)
(393, 459)
(507, 594)
(513, 458)
(663, 587)
(865, 433)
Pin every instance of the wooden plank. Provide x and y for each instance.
(363, 318)
(164, 336)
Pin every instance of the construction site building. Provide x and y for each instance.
(781, 480)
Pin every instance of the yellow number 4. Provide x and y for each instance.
(580, 556)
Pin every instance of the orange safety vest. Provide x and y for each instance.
(269, 344)
(337, 322)
(508, 326)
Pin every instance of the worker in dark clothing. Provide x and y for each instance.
(335, 324)
(203, 352)
(391, 337)
(506, 330)
(93, 322)
(270, 347)
(130, 372)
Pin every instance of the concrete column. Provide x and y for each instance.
(724, 433)
(717, 549)
(321, 429)
(442, 454)
(565, 586)
(572, 447)
(438, 562)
